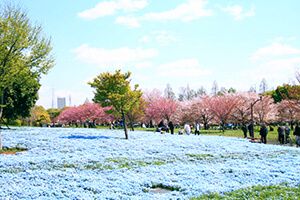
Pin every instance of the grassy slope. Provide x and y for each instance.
(272, 136)
(257, 192)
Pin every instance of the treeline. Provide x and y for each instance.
(277, 106)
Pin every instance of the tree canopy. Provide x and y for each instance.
(39, 116)
(24, 57)
(113, 89)
(286, 92)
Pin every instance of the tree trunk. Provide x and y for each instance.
(205, 122)
(223, 126)
(131, 126)
(125, 125)
(1, 112)
(4, 123)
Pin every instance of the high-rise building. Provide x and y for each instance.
(61, 102)
(70, 101)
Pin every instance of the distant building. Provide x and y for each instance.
(61, 102)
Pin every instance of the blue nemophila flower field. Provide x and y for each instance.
(90, 163)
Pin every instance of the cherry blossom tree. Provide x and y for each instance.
(152, 111)
(184, 113)
(68, 115)
(88, 112)
(204, 112)
(288, 111)
(196, 110)
(265, 110)
(222, 107)
(242, 112)
(158, 107)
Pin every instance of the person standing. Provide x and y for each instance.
(244, 129)
(263, 133)
(197, 129)
(280, 131)
(287, 132)
(187, 129)
(297, 134)
(171, 127)
(251, 130)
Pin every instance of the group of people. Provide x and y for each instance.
(163, 127)
(283, 134)
(187, 128)
(282, 130)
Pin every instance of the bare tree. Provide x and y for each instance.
(215, 88)
(298, 76)
(168, 92)
(186, 94)
(252, 89)
(263, 87)
(201, 91)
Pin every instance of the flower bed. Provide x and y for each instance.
(90, 163)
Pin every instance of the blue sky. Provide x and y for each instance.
(180, 42)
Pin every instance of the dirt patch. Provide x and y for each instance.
(12, 151)
(159, 190)
(8, 153)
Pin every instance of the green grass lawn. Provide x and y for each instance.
(12, 150)
(272, 136)
(257, 192)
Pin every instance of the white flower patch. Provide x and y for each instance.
(91, 163)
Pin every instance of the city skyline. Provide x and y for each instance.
(180, 42)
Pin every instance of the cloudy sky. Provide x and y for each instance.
(180, 42)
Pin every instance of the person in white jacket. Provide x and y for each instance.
(187, 129)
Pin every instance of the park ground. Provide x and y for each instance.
(97, 163)
(272, 137)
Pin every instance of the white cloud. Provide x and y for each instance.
(145, 39)
(164, 37)
(191, 10)
(275, 71)
(188, 11)
(119, 57)
(276, 62)
(106, 8)
(275, 49)
(281, 39)
(143, 65)
(129, 21)
(238, 12)
(161, 37)
(185, 68)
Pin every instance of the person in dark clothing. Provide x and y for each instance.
(251, 130)
(297, 134)
(171, 127)
(161, 124)
(263, 133)
(280, 131)
(244, 129)
(197, 128)
(287, 132)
